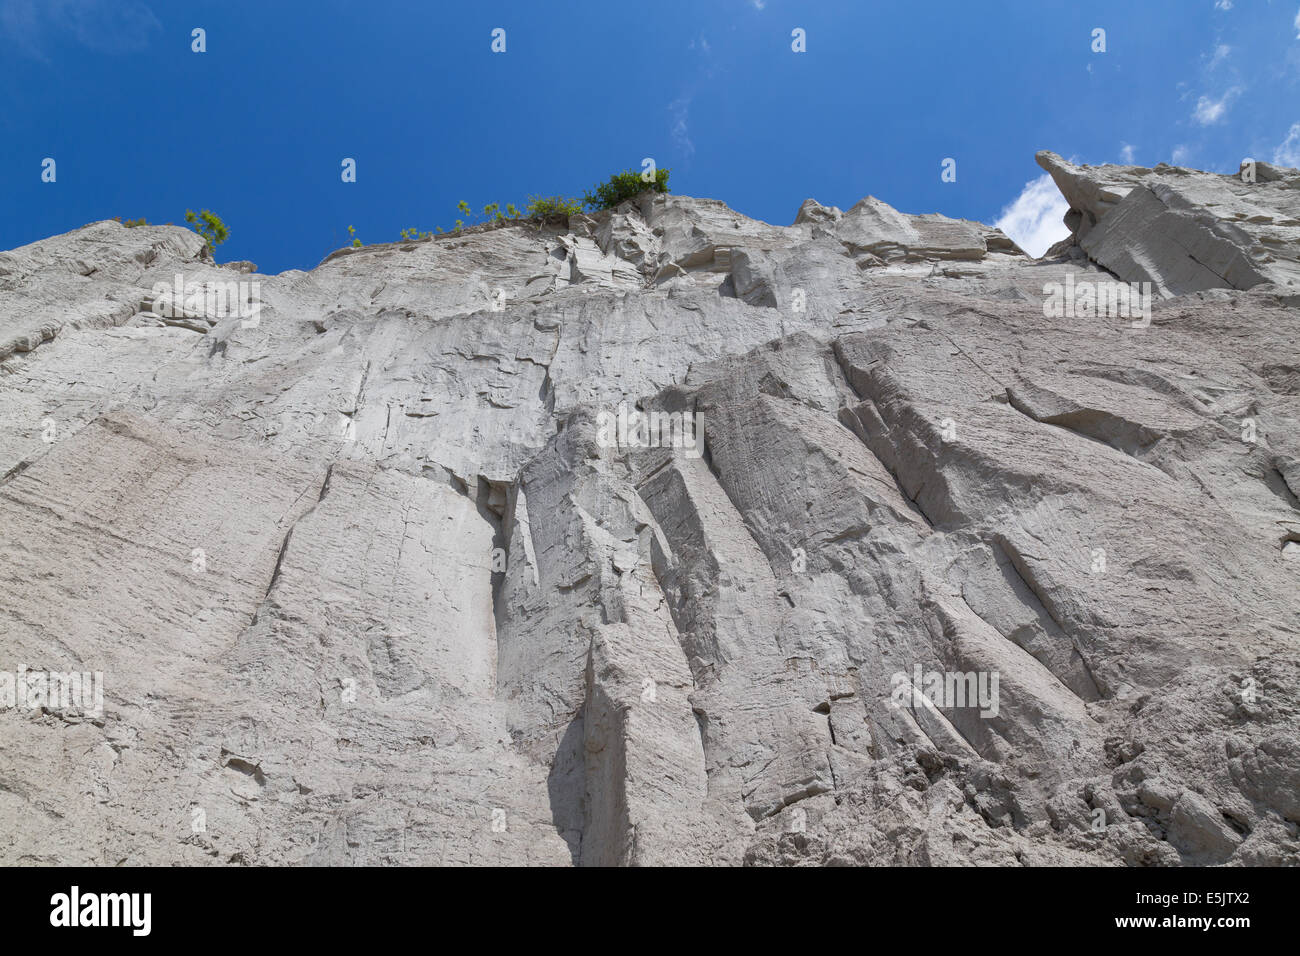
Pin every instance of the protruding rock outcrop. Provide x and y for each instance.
(1184, 230)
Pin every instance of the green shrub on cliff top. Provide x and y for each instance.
(626, 185)
(209, 226)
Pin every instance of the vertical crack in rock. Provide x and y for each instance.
(1092, 690)
(284, 543)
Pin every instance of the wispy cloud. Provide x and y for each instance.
(1288, 151)
(1034, 219)
(1180, 155)
(1221, 52)
(105, 26)
(1209, 110)
(1126, 153)
(1223, 4)
(1297, 24)
(758, 4)
(680, 109)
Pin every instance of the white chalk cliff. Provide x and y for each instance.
(369, 583)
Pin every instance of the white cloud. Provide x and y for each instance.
(1181, 155)
(758, 4)
(1288, 153)
(1033, 220)
(1211, 110)
(1223, 4)
(1297, 25)
(681, 110)
(1220, 54)
(1126, 153)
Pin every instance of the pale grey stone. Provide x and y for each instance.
(372, 580)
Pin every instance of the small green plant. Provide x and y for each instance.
(131, 223)
(208, 225)
(623, 186)
(356, 241)
(490, 214)
(545, 208)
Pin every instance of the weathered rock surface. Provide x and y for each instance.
(1184, 230)
(371, 579)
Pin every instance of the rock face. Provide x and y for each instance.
(668, 536)
(1185, 230)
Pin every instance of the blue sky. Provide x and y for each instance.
(256, 127)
